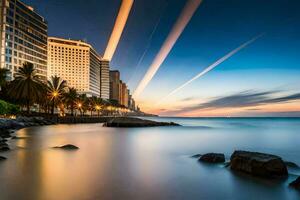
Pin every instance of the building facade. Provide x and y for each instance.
(77, 63)
(124, 94)
(23, 38)
(114, 83)
(104, 77)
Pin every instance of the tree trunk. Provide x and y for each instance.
(72, 110)
(52, 109)
(28, 106)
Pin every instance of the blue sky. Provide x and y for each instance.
(218, 26)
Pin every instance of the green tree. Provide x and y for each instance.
(56, 87)
(26, 87)
(70, 99)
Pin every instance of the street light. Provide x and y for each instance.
(55, 94)
(98, 109)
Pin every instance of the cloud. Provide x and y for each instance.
(188, 99)
(240, 100)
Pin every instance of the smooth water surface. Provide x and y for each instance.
(146, 163)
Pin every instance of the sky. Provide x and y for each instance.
(260, 80)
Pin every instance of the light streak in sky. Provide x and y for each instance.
(212, 66)
(118, 29)
(147, 48)
(184, 18)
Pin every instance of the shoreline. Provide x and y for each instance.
(9, 126)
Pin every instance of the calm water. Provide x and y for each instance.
(146, 163)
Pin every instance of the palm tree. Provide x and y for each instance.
(26, 86)
(98, 105)
(3, 76)
(56, 89)
(82, 103)
(70, 99)
(92, 102)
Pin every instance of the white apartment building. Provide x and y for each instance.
(77, 63)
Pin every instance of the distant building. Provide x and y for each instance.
(77, 63)
(124, 95)
(23, 38)
(104, 77)
(114, 81)
(131, 103)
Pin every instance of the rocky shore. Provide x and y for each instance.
(127, 122)
(9, 126)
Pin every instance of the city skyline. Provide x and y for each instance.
(260, 80)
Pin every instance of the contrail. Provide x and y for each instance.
(212, 66)
(118, 29)
(147, 47)
(184, 18)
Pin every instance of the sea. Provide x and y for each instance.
(147, 163)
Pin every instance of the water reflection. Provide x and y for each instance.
(142, 163)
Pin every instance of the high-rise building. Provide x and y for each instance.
(76, 62)
(23, 38)
(124, 95)
(104, 77)
(119, 90)
(131, 102)
(114, 83)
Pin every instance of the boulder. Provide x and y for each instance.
(135, 122)
(291, 164)
(5, 133)
(196, 156)
(18, 138)
(4, 147)
(2, 158)
(295, 184)
(67, 147)
(258, 164)
(212, 158)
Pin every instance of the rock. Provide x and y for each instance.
(3, 140)
(2, 158)
(18, 138)
(68, 147)
(5, 133)
(295, 184)
(196, 156)
(291, 164)
(135, 122)
(212, 158)
(4, 147)
(227, 164)
(258, 164)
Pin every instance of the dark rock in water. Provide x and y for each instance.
(4, 147)
(196, 156)
(127, 122)
(291, 164)
(5, 133)
(212, 158)
(227, 164)
(18, 138)
(295, 184)
(68, 147)
(258, 164)
(2, 158)
(3, 140)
